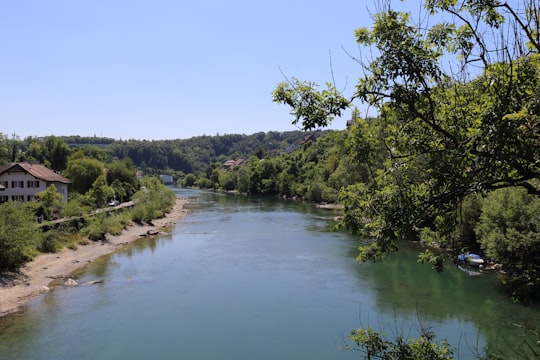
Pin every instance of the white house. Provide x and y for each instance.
(167, 179)
(22, 181)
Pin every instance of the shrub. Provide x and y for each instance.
(152, 202)
(19, 236)
(96, 229)
(51, 242)
(509, 232)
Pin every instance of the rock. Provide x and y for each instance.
(71, 282)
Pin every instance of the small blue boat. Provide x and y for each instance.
(471, 259)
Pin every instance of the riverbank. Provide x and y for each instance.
(35, 278)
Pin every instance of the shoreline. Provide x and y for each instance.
(36, 276)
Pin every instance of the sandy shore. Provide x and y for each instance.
(36, 276)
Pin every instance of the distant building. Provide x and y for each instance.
(22, 181)
(167, 179)
(231, 164)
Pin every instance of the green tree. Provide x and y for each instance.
(227, 180)
(189, 180)
(19, 235)
(509, 232)
(4, 148)
(122, 175)
(100, 192)
(49, 199)
(83, 172)
(242, 179)
(34, 152)
(56, 153)
(152, 201)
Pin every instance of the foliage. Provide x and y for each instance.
(77, 205)
(100, 192)
(55, 153)
(4, 148)
(106, 223)
(50, 151)
(189, 180)
(83, 172)
(509, 233)
(49, 199)
(312, 108)
(174, 157)
(51, 242)
(19, 235)
(194, 155)
(152, 201)
(440, 135)
(97, 228)
(315, 170)
(376, 345)
(121, 177)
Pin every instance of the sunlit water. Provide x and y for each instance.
(251, 278)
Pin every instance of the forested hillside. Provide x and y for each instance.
(176, 157)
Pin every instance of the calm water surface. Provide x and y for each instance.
(251, 278)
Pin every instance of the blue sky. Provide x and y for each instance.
(166, 69)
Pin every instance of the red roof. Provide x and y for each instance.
(36, 170)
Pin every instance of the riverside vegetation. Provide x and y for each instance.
(21, 238)
(451, 158)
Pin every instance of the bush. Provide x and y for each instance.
(376, 345)
(152, 202)
(509, 232)
(51, 242)
(138, 214)
(19, 236)
(96, 229)
(116, 223)
(189, 180)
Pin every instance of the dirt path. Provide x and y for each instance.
(36, 276)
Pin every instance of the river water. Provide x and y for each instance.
(251, 278)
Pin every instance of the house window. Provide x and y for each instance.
(17, 184)
(5, 184)
(3, 199)
(30, 197)
(32, 183)
(17, 197)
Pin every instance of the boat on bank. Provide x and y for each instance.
(471, 259)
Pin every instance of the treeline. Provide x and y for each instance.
(173, 157)
(183, 156)
(314, 171)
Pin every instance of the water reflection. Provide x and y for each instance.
(414, 291)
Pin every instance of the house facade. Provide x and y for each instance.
(22, 181)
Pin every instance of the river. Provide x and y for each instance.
(252, 278)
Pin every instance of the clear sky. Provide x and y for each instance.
(167, 69)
